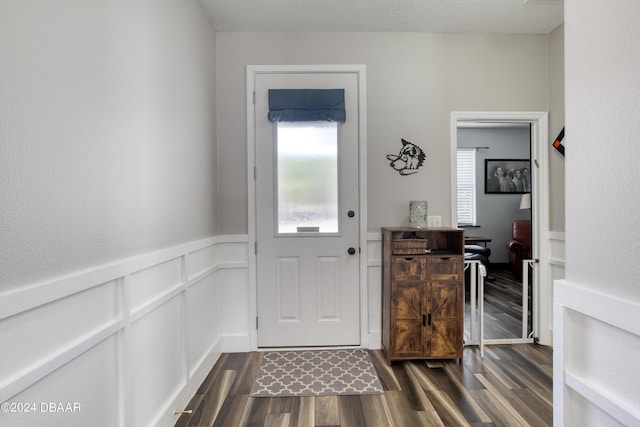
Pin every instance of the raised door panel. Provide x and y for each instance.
(408, 332)
(446, 311)
(445, 338)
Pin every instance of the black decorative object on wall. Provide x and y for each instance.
(410, 158)
(557, 144)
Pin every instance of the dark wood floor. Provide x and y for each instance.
(510, 386)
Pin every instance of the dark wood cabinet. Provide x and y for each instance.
(422, 293)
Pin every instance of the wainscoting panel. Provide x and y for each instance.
(234, 309)
(374, 288)
(155, 361)
(94, 374)
(556, 271)
(596, 344)
(151, 283)
(204, 324)
(123, 344)
(52, 329)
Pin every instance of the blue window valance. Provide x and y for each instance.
(307, 105)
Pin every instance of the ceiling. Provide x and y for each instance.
(439, 16)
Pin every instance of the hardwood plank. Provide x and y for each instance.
(462, 377)
(206, 384)
(521, 401)
(531, 372)
(410, 389)
(472, 360)
(351, 412)
(281, 405)
(501, 371)
(384, 371)
(257, 410)
(247, 372)
(429, 418)
(463, 399)
(277, 420)
(210, 406)
(435, 379)
(447, 409)
(504, 397)
(303, 412)
(235, 361)
(327, 411)
(417, 378)
(376, 410)
(193, 405)
(542, 409)
(498, 413)
(400, 411)
(237, 412)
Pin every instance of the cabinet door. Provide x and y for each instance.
(445, 308)
(408, 333)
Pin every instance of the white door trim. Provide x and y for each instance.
(540, 198)
(360, 70)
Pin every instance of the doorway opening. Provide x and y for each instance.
(493, 171)
(533, 129)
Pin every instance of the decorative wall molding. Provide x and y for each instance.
(607, 316)
(160, 310)
(557, 244)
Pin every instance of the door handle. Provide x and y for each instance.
(351, 214)
(351, 251)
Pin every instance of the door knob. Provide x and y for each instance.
(351, 251)
(351, 214)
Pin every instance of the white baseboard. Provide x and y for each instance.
(236, 343)
(375, 340)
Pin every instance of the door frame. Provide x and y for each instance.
(539, 198)
(360, 71)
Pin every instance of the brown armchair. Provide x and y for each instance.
(520, 244)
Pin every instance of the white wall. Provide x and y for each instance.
(597, 307)
(110, 274)
(556, 123)
(414, 81)
(107, 130)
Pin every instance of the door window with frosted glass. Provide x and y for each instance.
(307, 177)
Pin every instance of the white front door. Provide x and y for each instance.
(307, 219)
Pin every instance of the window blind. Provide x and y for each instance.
(466, 174)
(307, 105)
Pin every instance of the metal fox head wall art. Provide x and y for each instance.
(409, 159)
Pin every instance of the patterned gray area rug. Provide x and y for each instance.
(316, 373)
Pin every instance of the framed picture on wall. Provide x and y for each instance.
(503, 176)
